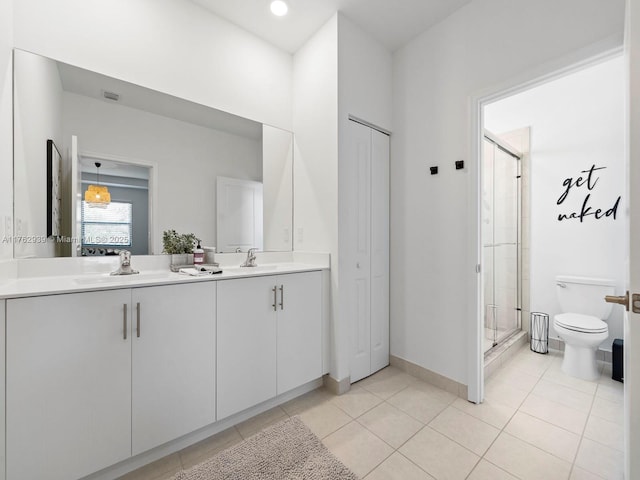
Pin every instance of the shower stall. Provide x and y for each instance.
(501, 241)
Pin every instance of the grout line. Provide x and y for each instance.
(575, 457)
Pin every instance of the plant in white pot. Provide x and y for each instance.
(180, 246)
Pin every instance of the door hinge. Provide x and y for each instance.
(478, 269)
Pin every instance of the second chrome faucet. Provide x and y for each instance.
(251, 258)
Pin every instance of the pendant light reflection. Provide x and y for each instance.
(97, 195)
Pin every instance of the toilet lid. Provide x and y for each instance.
(581, 323)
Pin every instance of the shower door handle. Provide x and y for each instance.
(619, 300)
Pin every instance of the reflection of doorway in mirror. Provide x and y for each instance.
(54, 190)
(130, 183)
(239, 214)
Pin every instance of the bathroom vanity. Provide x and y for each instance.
(102, 369)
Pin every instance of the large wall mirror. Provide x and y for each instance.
(166, 163)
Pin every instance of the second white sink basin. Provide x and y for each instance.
(108, 279)
(257, 269)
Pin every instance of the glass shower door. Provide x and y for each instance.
(501, 206)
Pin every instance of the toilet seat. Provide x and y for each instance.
(578, 322)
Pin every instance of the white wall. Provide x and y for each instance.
(576, 122)
(189, 158)
(365, 76)
(340, 70)
(6, 130)
(487, 45)
(173, 46)
(315, 123)
(38, 117)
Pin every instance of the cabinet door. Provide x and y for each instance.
(68, 385)
(299, 341)
(246, 344)
(173, 362)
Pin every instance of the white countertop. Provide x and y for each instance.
(59, 284)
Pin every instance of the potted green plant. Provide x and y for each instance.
(180, 246)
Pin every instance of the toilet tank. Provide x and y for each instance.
(585, 295)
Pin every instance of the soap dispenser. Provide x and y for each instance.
(198, 255)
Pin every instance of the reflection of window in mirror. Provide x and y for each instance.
(106, 227)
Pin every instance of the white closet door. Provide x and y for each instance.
(364, 259)
(379, 250)
(358, 249)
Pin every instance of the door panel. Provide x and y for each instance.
(76, 199)
(379, 250)
(68, 384)
(299, 329)
(358, 234)
(173, 362)
(632, 320)
(246, 344)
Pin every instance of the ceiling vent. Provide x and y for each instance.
(111, 95)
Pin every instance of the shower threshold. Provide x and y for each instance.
(496, 356)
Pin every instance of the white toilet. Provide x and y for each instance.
(581, 324)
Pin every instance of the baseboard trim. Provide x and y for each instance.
(428, 376)
(337, 387)
(133, 463)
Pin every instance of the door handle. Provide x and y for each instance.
(635, 303)
(619, 300)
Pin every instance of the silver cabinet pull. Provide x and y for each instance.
(138, 319)
(124, 321)
(281, 297)
(275, 298)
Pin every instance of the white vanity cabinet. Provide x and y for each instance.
(68, 396)
(173, 340)
(269, 338)
(94, 378)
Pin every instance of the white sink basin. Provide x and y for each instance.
(112, 279)
(258, 269)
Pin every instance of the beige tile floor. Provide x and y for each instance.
(536, 423)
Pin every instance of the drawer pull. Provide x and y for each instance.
(275, 298)
(138, 319)
(124, 322)
(281, 297)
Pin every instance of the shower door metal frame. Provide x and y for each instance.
(501, 145)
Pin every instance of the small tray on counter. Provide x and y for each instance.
(176, 268)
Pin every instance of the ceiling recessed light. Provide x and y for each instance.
(279, 8)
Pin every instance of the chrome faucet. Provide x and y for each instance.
(125, 264)
(251, 258)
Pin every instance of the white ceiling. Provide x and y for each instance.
(392, 22)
